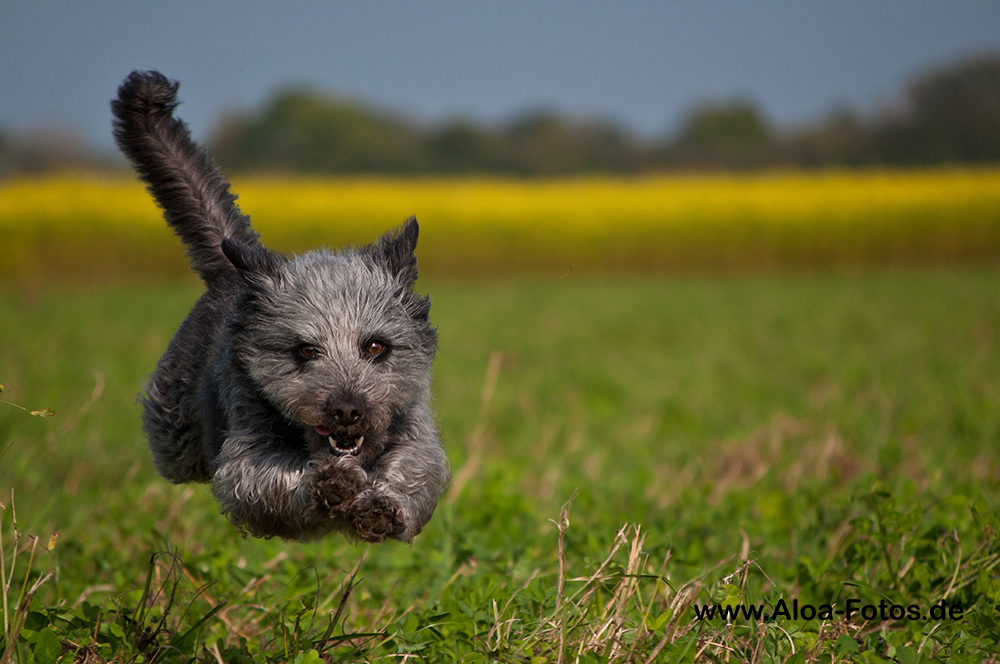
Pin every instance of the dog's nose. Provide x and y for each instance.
(348, 411)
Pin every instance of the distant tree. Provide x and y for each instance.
(953, 115)
(45, 150)
(723, 125)
(609, 148)
(464, 147)
(843, 140)
(542, 142)
(6, 164)
(306, 132)
(950, 115)
(732, 134)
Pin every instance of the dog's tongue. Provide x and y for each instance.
(323, 431)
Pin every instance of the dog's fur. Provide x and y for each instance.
(299, 387)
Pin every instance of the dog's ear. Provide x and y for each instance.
(395, 251)
(256, 265)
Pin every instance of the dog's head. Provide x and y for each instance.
(338, 342)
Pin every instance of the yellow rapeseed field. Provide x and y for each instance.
(75, 226)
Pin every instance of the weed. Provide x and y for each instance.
(45, 412)
(19, 590)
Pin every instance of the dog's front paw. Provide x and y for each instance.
(336, 484)
(376, 517)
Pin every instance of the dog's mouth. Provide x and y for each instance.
(341, 442)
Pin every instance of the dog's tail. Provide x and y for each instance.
(194, 195)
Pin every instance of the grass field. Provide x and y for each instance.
(627, 451)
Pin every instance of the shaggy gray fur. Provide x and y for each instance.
(299, 387)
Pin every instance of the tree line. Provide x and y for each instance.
(948, 115)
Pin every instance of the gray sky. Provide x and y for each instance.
(643, 64)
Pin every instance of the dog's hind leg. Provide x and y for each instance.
(174, 433)
(178, 418)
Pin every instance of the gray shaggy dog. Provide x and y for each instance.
(298, 386)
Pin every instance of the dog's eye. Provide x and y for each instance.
(307, 352)
(376, 349)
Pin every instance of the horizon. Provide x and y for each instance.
(643, 68)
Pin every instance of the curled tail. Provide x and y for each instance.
(194, 195)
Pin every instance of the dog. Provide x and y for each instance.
(298, 386)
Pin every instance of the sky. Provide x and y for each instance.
(643, 65)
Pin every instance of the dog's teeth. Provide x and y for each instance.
(343, 445)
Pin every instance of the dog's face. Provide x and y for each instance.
(337, 342)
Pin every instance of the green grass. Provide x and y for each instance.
(624, 450)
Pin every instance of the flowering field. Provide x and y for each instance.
(74, 226)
